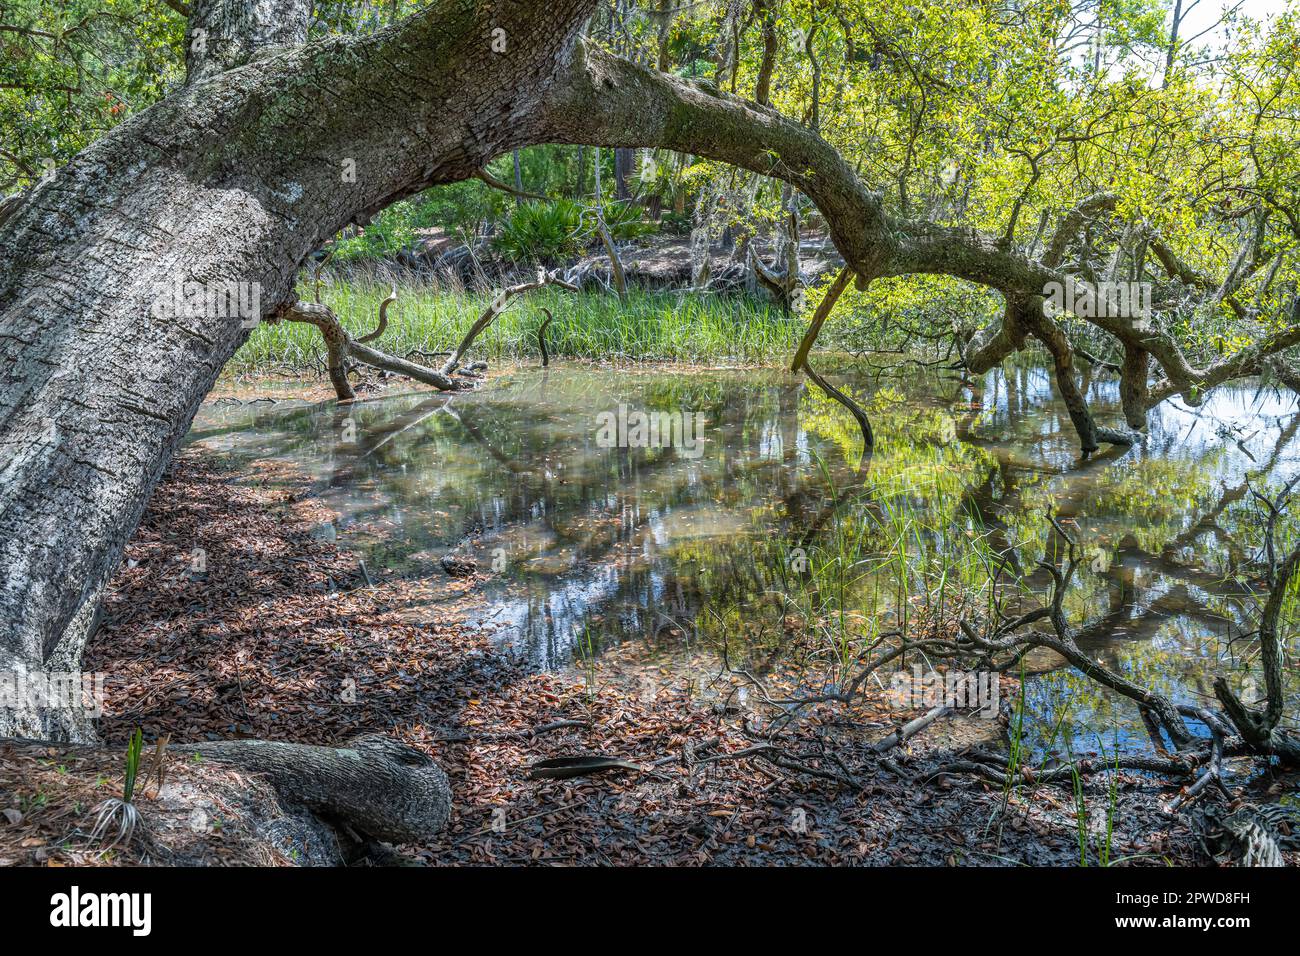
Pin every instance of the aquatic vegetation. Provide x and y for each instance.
(428, 319)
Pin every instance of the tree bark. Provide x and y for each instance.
(236, 178)
(221, 34)
(375, 784)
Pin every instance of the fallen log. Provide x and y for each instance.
(341, 348)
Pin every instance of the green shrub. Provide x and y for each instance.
(676, 223)
(538, 231)
(624, 221)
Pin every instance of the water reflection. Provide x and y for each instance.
(598, 546)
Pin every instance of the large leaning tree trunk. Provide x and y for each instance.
(225, 186)
(270, 148)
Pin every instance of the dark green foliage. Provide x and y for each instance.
(541, 232)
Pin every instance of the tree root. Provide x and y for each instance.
(1260, 733)
(373, 787)
(374, 784)
(986, 769)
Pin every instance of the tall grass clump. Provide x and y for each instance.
(427, 319)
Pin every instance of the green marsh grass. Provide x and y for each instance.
(899, 551)
(428, 318)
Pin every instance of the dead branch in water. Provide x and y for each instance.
(1258, 733)
(383, 317)
(805, 346)
(541, 337)
(860, 416)
(341, 348)
(496, 307)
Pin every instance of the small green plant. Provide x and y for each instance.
(1080, 814)
(585, 650)
(1111, 804)
(1016, 744)
(133, 750)
(120, 817)
(675, 224)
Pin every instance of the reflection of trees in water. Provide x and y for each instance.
(1163, 603)
(519, 469)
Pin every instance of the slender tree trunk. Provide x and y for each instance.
(767, 65)
(1172, 49)
(623, 158)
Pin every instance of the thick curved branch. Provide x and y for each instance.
(994, 343)
(1193, 383)
(1073, 221)
(606, 101)
(375, 784)
(1176, 268)
(383, 317)
(223, 34)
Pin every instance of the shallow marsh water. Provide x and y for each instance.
(680, 553)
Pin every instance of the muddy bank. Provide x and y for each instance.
(276, 634)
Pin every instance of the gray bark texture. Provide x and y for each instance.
(233, 180)
(373, 784)
(236, 178)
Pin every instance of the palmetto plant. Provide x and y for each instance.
(541, 231)
(119, 817)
